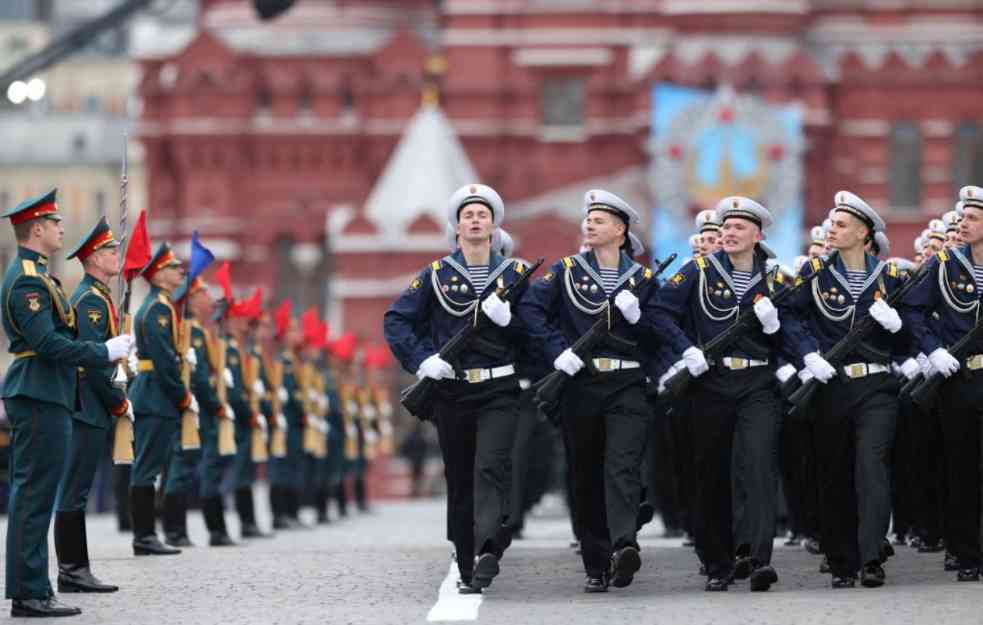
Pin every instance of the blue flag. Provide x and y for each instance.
(201, 258)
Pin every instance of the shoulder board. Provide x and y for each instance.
(568, 262)
(780, 278)
(519, 267)
(943, 256)
(435, 265)
(701, 263)
(648, 274)
(28, 267)
(817, 264)
(892, 270)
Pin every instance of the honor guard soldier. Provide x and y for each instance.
(204, 382)
(733, 404)
(158, 395)
(39, 395)
(477, 403)
(854, 413)
(101, 402)
(286, 472)
(240, 314)
(708, 225)
(951, 292)
(604, 412)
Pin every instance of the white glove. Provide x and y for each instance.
(230, 380)
(311, 420)
(886, 316)
(568, 362)
(767, 314)
(261, 422)
(784, 373)
(910, 368)
(282, 395)
(230, 413)
(193, 406)
(498, 311)
(819, 367)
(943, 362)
(312, 396)
(436, 368)
(281, 422)
(119, 346)
(925, 364)
(191, 358)
(129, 412)
(259, 388)
(695, 361)
(675, 368)
(627, 303)
(805, 375)
(132, 362)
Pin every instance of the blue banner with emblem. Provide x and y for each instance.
(708, 145)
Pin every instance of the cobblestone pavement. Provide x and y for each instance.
(387, 566)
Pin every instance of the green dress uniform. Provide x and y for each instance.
(286, 472)
(244, 469)
(336, 436)
(39, 394)
(101, 402)
(159, 398)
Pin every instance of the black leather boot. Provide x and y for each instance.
(247, 514)
(145, 541)
(74, 574)
(176, 520)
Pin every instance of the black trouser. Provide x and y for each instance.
(605, 417)
(476, 425)
(960, 415)
(930, 484)
(663, 474)
(728, 408)
(798, 465)
(522, 450)
(902, 473)
(853, 426)
(678, 422)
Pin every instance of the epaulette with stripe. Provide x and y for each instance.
(943, 257)
(519, 267)
(648, 274)
(568, 261)
(435, 265)
(892, 270)
(28, 267)
(701, 262)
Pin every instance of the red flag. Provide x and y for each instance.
(313, 331)
(251, 308)
(282, 318)
(344, 348)
(223, 278)
(138, 249)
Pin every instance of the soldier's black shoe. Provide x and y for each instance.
(812, 546)
(250, 530)
(72, 578)
(624, 564)
(220, 539)
(178, 540)
(915, 541)
(762, 578)
(646, 512)
(899, 540)
(151, 546)
(596, 583)
(950, 563)
(931, 546)
(743, 567)
(971, 574)
(49, 607)
(688, 540)
(793, 540)
(824, 566)
(485, 570)
(872, 576)
(717, 584)
(467, 588)
(844, 582)
(281, 523)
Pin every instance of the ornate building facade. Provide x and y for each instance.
(316, 150)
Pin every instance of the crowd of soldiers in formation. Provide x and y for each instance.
(842, 390)
(192, 390)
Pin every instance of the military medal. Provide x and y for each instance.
(727, 293)
(840, 299)
(464, 288)
(970, 288)
(593, 288)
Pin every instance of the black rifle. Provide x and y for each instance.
(418, 398)
(925, 391)
(714, 348)
(846, 345)
(549, 389)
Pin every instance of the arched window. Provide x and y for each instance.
(906, 166)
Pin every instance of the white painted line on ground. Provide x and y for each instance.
(452, 606)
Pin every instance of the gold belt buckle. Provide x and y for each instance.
(604, 364)
(736, 364)
(473, 375)
(856, 370)
(975, 362)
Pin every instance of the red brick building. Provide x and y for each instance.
(278, 141)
